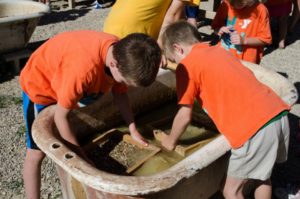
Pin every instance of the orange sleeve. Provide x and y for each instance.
(264, 31)
(186, 88)
(220, 18)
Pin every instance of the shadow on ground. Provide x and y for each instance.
(61, 12)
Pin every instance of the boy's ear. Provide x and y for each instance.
(113, 63)
(178, 48)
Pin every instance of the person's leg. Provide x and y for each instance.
(295, 15)
(32, 173)
(263, 189)
(233, 188)
(283, 21)
(298, 133)
(34, 157)
(192, 14)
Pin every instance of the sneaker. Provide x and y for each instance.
(100, 4)
(281, 193)
(290, 192)
(296, 196)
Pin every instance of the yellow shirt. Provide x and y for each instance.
(143, 16)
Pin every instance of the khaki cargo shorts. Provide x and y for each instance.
(256, 158)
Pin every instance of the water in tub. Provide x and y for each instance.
(122, 155)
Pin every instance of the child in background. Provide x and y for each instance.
(78, 65)
(244, 28)
(248, 113)
(280, 10)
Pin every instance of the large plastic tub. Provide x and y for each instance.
(197, 176)
(18, 19)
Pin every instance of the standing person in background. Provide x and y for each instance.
(149, 17)
(244, 28)
(295, 15)
(280, 10)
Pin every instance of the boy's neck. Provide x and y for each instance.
(108, 60)
(109, 56)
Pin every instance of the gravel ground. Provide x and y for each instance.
(61, 19)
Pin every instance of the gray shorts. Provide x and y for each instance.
(256, 158)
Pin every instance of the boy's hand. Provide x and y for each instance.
(164, 62)
(138, 137)
(167, 142)
(224, 29)
(236, 39)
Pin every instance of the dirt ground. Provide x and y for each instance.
(84, 16)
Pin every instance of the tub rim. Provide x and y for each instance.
(44, 10)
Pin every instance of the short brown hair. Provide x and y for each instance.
(138, 57)
(179, 32)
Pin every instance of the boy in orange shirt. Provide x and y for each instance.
(249, 114)
(244, 28)
(74, 65)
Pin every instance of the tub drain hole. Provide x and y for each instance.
(69, 156)
(55, 146)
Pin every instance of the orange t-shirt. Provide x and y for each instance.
(236, 101)
(69, 66)
(248, 22)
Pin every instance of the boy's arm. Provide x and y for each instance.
(180, 123)
(237, 39)
(122, 102)
(173, 14)
(63, 126)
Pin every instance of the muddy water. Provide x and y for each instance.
(115, 155)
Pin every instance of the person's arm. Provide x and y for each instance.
(222, 30)
(237, 39)
(122, 102)
(63, 126)
(180, 123)
(173, 14)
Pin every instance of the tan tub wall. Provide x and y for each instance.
(104, 114)
(201, 185)
(199, 171)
